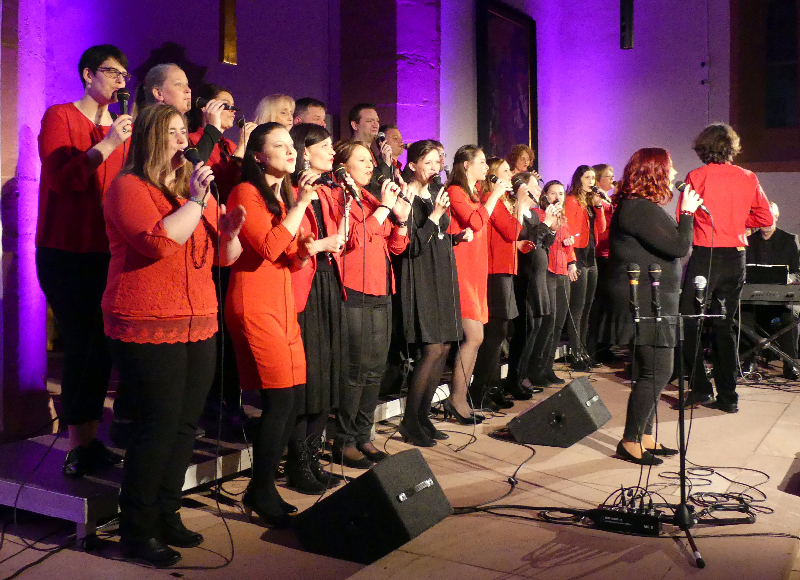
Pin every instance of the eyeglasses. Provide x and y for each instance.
(114, 74)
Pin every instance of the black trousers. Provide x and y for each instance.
(369, 330)
(558, 287)
(724, 286)
(652, 371)
(580, 304)
(600, 303)
(167, 385)
(73, 285)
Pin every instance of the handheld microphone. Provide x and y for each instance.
(340, 172)
(655, 288)
(405, 146)
(493, 179)
(681, 186)
(436, 182)
(325, 180)
(516, 182)
(633, 280)
(123, 96)
(381, 138)
(192, 156)
(240, 123)
(700, 284)
(615, 183)
(201, 102)
(600, 192)
(381, 178)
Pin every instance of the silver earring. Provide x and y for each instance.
(306, 165)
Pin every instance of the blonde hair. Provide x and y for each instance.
(268, 107)
(494, 164)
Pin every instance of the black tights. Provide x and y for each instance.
(653, 368)
(487, 365)
(424, 382)
(310, 426)
(279, 409)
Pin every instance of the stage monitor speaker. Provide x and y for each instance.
(562, 419)
(376, 513)
(626, 24)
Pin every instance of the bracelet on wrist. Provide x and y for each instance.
(386, 206)
(199, 202)
(687, 212)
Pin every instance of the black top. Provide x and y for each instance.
(431, 305)
(585, 257)
(533, 265)
(781, 248)
(642, 233)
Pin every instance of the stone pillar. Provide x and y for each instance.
(391, 56)
(24, 401)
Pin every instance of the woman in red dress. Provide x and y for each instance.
(260, 309)
(472, 262)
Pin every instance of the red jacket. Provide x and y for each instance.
(155, 291)
(601, 239)
(70, 195)
(332, 212)
(735, 200)
(503, 232)
(561, 256)
(578, 222)
(226, 168)
(368, 247)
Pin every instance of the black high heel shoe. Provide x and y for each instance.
(647, 458)
(450, 411)
(274, 516)
(419, 439)
(431, 431)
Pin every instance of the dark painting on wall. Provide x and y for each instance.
(506, 78)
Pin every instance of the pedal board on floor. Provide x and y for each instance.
(627, 521)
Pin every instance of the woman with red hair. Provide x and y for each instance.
(642, 233)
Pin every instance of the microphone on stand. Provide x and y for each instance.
(681, 186)
(123, 96)
(192, 156)
(340, 172)
(201, 102)
(655, 288)
(700, 284)
(633, 280)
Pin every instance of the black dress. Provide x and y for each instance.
(643, 233)
(323, 327)
(533, 265)
(428, 280)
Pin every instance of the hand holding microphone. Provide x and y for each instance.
(192, 156)
(341, 174)
(690, 201)
(385, 148)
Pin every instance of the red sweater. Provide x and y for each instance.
(735, 200)
(560, 256)
(503, 233)
(226, 169)
(578, 222)
(368, 248)
(332, 211)
(155, 291)
(70, 194)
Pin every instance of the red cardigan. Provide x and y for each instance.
(332, 212)
(70, 195)
(155, 292)
(601, 239)
(226, 169)
(368, 247)
(578, 222)
(503, 233)
(736, 201)
(560, 256)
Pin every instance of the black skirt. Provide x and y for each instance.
(500, 297)
(323, 326)
(533, 269)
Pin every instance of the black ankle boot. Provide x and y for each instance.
(329, 480)
(298, 472)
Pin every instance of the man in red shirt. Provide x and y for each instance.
(733, 196)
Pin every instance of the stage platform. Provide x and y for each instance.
(764, 437)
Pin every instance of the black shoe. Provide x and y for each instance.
(496, 396)
(722, 406)
(351, 457)
(375, 455)
(415, 436)
(450, 411)
(151, 551)
(517, 391)
(329, 480)
(298, 472)
(647, 458)
(275, 515)
(580, 366)
(539, 381)
(695, 399)
(174, 533)
(593, 363)
(554, 378)
(78, 462)
(430, 429)
(663, 451)
(101, 456)
(791, 373)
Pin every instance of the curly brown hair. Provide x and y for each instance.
(646, 176)
(717, 143)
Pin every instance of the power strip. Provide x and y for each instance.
(627, 521)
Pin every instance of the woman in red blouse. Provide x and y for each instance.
(505, 228)
(260, 309)
(587, 222)
(160, 314)
(472, 262)
(377, 227)
(82, 149)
